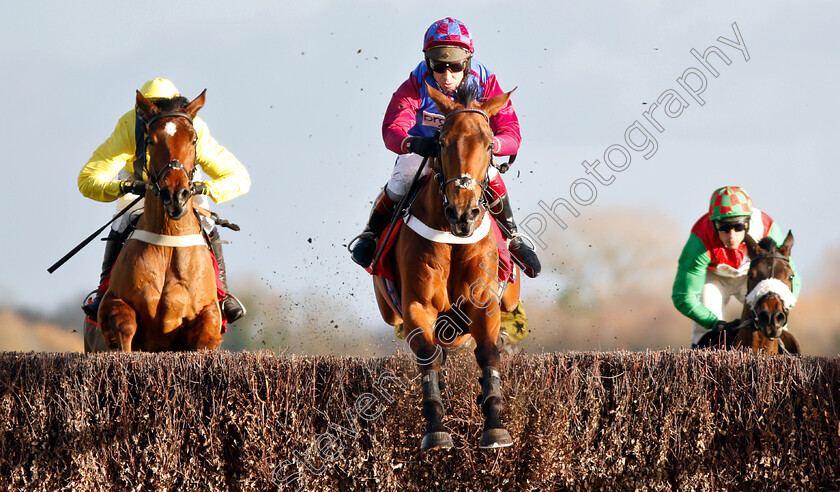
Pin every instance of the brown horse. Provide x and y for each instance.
(448, 284)
(769, 298)
(162, 293)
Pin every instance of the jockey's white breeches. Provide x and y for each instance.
(717, 292)
(405, 167)
(121, 224)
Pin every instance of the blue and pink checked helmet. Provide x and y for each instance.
(448, 32)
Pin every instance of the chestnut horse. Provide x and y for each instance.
(769, 298)
(162, 293)
(448, 283)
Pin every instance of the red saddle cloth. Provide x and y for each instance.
(220, 289)
(385, 267)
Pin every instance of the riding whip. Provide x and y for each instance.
(91, 237)
(406, 202)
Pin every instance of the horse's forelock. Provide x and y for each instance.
(466, 94)
(173, 104)
(767, 244)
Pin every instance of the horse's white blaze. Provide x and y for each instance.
(775, 286)
(465, 181)
(170, 128)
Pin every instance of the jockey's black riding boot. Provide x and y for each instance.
(113, 246)
(521, 251)
(231, 307)
(380, 216)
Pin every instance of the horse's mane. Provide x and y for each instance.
(466, 94)
(173, 104)
(767, 244)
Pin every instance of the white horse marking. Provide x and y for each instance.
(771, 285)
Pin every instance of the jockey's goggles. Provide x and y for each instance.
(730, 226)
(454, 67)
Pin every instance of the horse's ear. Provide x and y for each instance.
(787, 245)
(752, 246)
(443, 103)
(196, 104)
(495, 104)
(146, 108)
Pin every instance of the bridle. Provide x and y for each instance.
(769, 295)
(174, 164)
(463, 181)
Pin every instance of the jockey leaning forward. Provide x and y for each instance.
(116, 171)
(412, 121)
(714, 264)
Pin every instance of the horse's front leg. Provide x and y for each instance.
(203, 332)
(118, 322)
(487, 355)
(419, 323)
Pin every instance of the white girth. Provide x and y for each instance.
(169, 241)
(437, 236)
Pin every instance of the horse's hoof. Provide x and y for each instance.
(495, 438)
(437, 440)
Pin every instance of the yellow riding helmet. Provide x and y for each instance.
(159, 89)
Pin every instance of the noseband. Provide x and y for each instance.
(463, 181)
(174, 164)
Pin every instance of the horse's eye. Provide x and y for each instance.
(149, 141)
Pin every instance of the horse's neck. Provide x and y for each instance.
(763, 344)
(750, 336)
(155, 220)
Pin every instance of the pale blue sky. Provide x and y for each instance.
(297, 90)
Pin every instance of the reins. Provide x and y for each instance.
(399, 212)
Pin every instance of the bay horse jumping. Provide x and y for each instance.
(769, 298)
(162, 293)
(446, 276)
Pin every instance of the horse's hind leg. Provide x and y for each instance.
(388, 314)
(510, 298)
(495, 435)
(119, 323)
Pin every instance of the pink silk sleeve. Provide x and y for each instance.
(505, 124)
(401, 116)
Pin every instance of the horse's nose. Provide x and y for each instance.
(779, 319)
(451, 215)
(764, 318)
(472, 215)
(182, 195)
(166, 196)
(467, 218)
